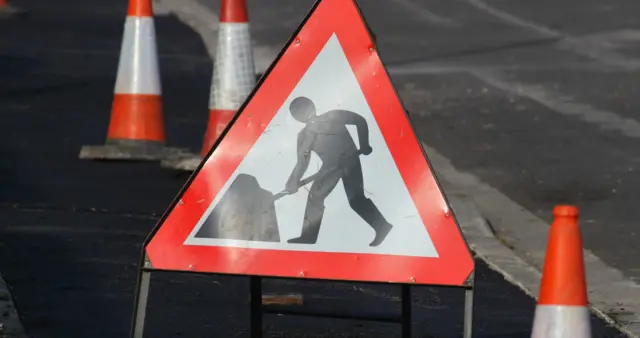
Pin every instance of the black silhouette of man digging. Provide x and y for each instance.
(328, 137)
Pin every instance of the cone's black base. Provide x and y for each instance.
(182, 161)
(129, 150)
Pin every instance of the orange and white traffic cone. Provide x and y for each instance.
(234, 74)
(562, 309)
(136, 128)
(233, 78)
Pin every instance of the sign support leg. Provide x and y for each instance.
(468, 312)
(406, 311)
(256, 306)
(140, 310)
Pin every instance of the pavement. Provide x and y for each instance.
(72, 230)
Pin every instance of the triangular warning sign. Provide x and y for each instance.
(320, 175)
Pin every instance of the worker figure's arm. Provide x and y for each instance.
(350, 118)
(305, 140)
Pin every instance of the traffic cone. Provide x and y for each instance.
(562, 309)
(233, 78)
(136, 127)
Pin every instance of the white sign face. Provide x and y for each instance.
(380, 196)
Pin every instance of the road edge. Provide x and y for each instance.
(10, 324)
(612, 296)
(500, 258)
(486, 246)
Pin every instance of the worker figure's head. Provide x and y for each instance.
(302, 109)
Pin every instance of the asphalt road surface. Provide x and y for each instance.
(72, 230)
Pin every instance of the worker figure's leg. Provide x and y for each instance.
(353, 185)
(320, 189)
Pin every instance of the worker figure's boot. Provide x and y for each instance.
(370, 213)
(311, 225)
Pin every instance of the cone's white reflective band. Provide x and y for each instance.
(234, 70)
(561, 321)
(138, 71)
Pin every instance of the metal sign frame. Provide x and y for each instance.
(257, 308)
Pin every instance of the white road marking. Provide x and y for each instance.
(562, 104)
(575, 44)
(427, 15)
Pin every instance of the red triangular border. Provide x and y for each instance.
(165, 247)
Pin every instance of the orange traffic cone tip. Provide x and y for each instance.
(234, 11)
(136, 127)
(562, 309)
(565, 211)
(140, 8)
(563, 281)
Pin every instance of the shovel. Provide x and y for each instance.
(247, 212)
(309, 179)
